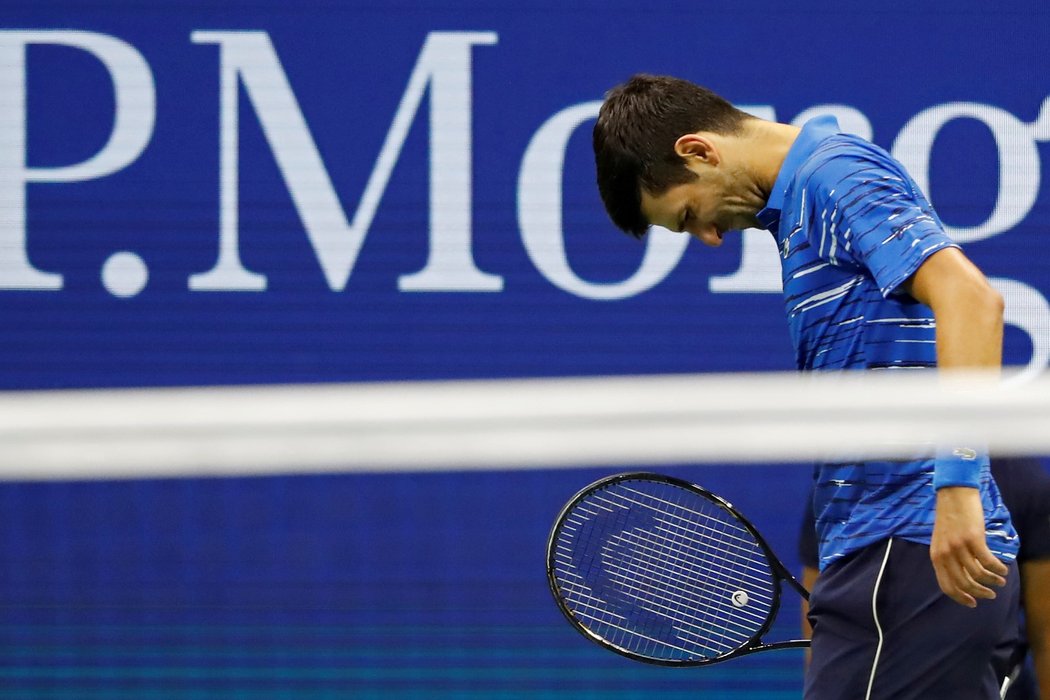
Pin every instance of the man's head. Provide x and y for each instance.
(653, 135)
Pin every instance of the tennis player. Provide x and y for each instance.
(1025, 487)
(918, 580)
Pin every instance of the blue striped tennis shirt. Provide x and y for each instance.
(852, 226)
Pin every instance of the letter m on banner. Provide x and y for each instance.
(444, 65)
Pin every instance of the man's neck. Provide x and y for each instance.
(767, 145)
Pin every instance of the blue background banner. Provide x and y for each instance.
(263, 192)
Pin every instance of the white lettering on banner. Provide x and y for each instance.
(540, 216)
(444, 64)
(135, 100)
(1019, 171)
(443, 70)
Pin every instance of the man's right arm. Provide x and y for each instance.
(969, 317)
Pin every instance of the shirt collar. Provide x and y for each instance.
(813, 132)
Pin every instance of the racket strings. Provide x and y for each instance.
(696, 516)
(687, 621)
(613, 501)
(691, 532)
(708, 577)
(661, 571)
(679, 576)
(699, 525)
(688, 537)
(663, 592)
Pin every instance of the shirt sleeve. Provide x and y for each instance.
(868, 213)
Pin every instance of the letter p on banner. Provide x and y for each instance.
(135, 114)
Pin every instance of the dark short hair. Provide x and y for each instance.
(638, 125)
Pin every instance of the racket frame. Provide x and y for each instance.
(752, 645)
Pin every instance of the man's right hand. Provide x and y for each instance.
(965, 567)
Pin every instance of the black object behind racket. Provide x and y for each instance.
(664, 571)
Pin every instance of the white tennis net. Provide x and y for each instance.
(527, 423)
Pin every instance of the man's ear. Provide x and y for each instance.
(697, 146)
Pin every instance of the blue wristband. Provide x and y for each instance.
(959, 465)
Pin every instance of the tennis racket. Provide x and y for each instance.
(664, 571)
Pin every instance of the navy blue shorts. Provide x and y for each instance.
(931, 647)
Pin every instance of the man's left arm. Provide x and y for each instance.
(969, 317)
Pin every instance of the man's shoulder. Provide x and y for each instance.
(847, 167)
(841, 155)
